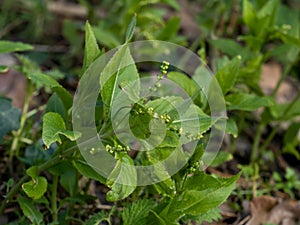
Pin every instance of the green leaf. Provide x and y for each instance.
(139, 122)
(231, 127)
(170, 30)
(247, 102)
(230, 47)
(97, 218)
(56, 105)
(43, 80)
(291, 140)
(280, 112)
(9, 117)
(69, 181)
(37, 77)
(53, 126)
(11, 46)
(187, 84)
(3, 69)
(86, 170)
(35, 188)
(130, 29)
(249, 14)
(91, 50)
(53, 123)
(172, 3)
(137, 212)
(33, 171)
(121, 68)
(201, 193)
(30, 211)
(220, 158)
(289, 39)
(227, 75)
(107, 37)
(210, 216)
(122, 180)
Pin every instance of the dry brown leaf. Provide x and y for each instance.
(12, 83)
(267, 209)
(271, 74)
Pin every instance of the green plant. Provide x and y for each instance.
(188, 193)
(288, 183)
(270, 36)
(55, 163)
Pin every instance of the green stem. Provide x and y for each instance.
(285, 73)
(46, 165)
(53, 199)
(276, 128)
(255, 147)
(17, 135)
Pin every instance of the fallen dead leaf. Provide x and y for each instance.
(12, 83)
(267, 209)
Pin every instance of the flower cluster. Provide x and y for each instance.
(164, 68)
(187, 134)
(164, 71)
(117, 148)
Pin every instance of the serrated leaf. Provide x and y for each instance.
(210, 216)
(35, 188)
(121, 68)
(11, 46)
(227, 75)
(91, 50)
(9, 117)
(122, 180)
(137, 212)
(53, 126)
(247, 102)
(130, 29)
(30, 211)
(97, 218)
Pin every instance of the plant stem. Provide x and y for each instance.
(17, 135)
(276, 128)
(255, 147)
(284, 75)
(46, 165)
(53, 199)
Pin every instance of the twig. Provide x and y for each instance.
(71, 10)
